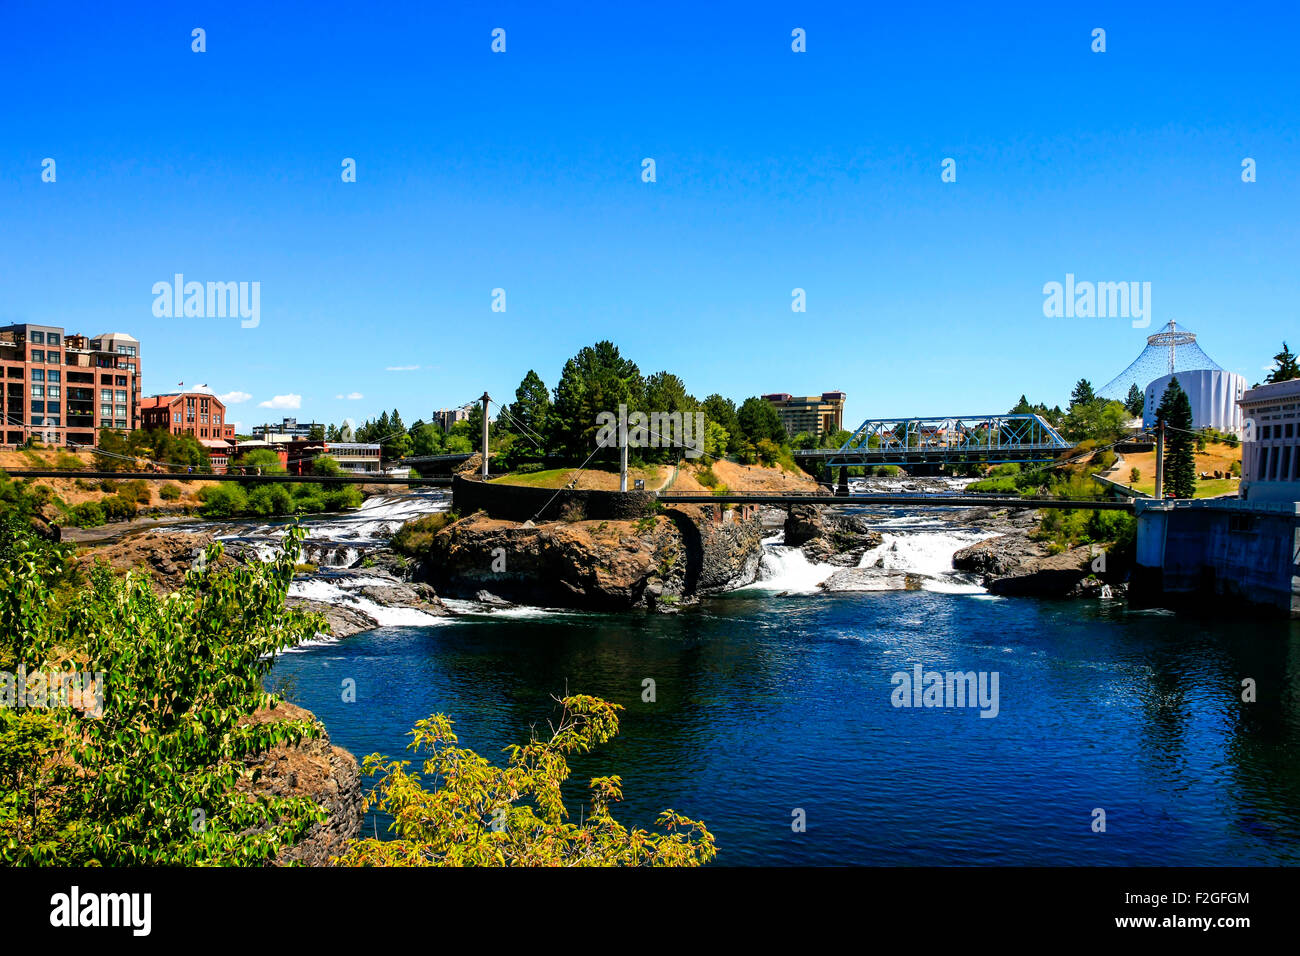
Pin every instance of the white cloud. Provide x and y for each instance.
(351, 396)
(283, 401)
(401, 368)
(234, 398)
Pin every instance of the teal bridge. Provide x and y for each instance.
(956, 439)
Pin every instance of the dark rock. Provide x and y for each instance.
(872, 579)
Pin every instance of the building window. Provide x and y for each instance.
(120, 423)
(121, 410)
(105, 394)
(54, 391)
(177, 418)
(53, 407)
(38, 391)
(38, 355)
(105, 411)
(121, 396)
(52, 338)
(38, 375)
(38, 338)
(38, 406)
(53, 375)
(52, 358)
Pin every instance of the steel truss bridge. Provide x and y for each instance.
(956, 439)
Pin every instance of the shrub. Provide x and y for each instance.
(116, 785)
(170, 492)
(88, 514)
(1135, 476)
(572, 511)
(476, 814)
(269, 500)
(413, 538)
(225, 500)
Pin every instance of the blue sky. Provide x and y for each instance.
(775, 170)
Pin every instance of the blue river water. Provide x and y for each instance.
(769, 703)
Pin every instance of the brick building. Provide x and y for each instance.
(61, 389)
(196, 411)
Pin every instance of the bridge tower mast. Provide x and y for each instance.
(485, 399)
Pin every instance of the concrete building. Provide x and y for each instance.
(196, 411)
(61, 388)
(1213, 393)
(446, 417)
(290, 428)
(1270, 450)
(818, 414)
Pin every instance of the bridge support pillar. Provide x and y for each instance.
(843, 487)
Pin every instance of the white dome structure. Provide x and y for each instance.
(1213, 393)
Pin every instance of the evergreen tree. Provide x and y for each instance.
(722, 412)
(1175, 411)
(1286, 366)
(1082, 394)
(597, 379)
(759, 421)
(1135, 402)
(531, 409)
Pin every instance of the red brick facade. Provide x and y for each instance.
(200, 414)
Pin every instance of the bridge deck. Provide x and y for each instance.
(196, 476)
(945, 501)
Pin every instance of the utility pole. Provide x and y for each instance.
(622, 463)
(485, 399)
(1160, 459)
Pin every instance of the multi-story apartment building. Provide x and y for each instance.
(1270, 455)
(818, 414)
(61, 389)
(196, 411)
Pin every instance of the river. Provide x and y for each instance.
(776, 699)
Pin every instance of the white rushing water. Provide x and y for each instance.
(339, 541)
(927, 554)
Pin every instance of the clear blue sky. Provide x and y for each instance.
(775, 170)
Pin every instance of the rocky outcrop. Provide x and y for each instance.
(362, 589)
(1013, 565)
(872, 579)
(828, 537)
(165, 556)
(319, 771)
(656, 562)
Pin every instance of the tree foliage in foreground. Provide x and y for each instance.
(477, 814)
(160, 777)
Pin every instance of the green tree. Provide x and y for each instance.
(1082, 394)
(532, 409)
(261, 461)
(1175, 411)
(460, 810)
(149, 762)
(426, 439)
(723, 411)
(1135, 401)
(316, 433)
(758, 421)
(597, 379)
(1285, 366)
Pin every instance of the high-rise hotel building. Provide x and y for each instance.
(63, 388)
